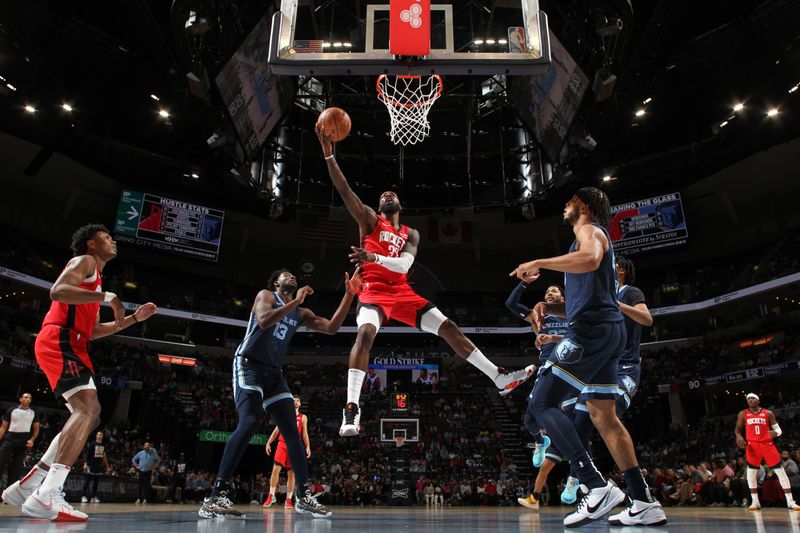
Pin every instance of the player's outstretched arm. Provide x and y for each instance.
(740, 442)
(266, 316)
(142, 313)
(364, 216)
(593, 245)
(513, 305)
(331, 325)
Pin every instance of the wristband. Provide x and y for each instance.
(329, 157)
(109, 296)
(133, 316)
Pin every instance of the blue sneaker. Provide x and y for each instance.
(570, 492)
(540, 450)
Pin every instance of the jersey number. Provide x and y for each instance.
(757, 430)
(280, 331)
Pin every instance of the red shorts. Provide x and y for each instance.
(282, 456)
(398, 301)
(756, 451)
(62, 354)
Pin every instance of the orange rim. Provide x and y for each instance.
(395, 103)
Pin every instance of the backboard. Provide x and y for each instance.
(363, 48)
(407, 427)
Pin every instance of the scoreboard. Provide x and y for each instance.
(648, 224)
(170, 225)
(399, 402)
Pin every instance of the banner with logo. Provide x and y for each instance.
(213, 435)
(648, 224)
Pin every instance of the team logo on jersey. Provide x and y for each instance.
(569, 351)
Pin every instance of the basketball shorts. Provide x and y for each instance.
(395, 301)
(756, 451)
(586, 358)
(62, 354)
(252, 377)
(282, 456)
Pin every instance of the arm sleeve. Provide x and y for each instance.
(512, 303)
(400, 264)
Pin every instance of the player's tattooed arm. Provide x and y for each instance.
(740, 442)
(332, 325)
(266, 316)
(365, 216)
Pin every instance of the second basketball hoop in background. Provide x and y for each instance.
(335, 123)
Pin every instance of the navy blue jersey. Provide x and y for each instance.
(631, 296)
(592, 296)
(552, 325)
(268, 346)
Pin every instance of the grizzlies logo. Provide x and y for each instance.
(568, 351)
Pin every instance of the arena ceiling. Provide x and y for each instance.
(692, 64)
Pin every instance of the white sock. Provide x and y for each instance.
(783, 479)
(355, 378)
(55, 478)
(479, 361)
(754, 498)
(272, 491)
(50, 455)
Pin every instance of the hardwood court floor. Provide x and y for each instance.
(124, 518)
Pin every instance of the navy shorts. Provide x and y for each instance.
(586, 358)
(251, 377)
(628, 383)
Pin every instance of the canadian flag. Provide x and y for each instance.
(449, 230)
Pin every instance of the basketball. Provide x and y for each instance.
(335, 122)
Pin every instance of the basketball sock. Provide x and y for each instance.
(35, 477)
(355, 379)
(785, 484)
(637, 488)
(479, 361)
(272, 491)
(220, 485)
(55, 478)
(537, 496)
(538, 438)
(587, 473)
(50, 454)
(752, 482)
(754, 499)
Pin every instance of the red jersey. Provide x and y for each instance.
(299, 428)
(79, 317)
(387, 241)
(757, 426)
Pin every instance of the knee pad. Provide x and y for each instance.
(431, 321)
(368, 315)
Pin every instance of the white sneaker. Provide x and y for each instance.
(95, 500)
(640, 513)
(84, 499)
(52, 506)
(15, 494)
(351, 421)
(594, 505)
(793, 506)
(137, 502)
(755, 506)
(508, 381)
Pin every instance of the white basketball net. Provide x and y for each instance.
(408, 99)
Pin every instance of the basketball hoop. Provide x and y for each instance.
(409, 98)
(399, 440)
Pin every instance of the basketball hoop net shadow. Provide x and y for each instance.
(409, 98)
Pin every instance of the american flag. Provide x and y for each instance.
(307, 47)
(321, 228)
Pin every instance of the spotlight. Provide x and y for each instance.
(793, 89)
(647, 100)
(66, 107)
(163, 113)
(11, 87)
(640, 112)
(772, 112)
(502, 41)
(723, 123)
(154, 97)
(337, 44)
(326, 45)
(607, 178)
(348, 45)
(738, 107)
(30, 109)
(490, 41)
(478, 41)
(195, 175)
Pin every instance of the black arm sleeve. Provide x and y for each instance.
(512, 303)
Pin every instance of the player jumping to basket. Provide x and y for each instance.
(387, 251)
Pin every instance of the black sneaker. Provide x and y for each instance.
(219, 506)
(351, 421)
(308, 504)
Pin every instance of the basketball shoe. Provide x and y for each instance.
(507, 381)
(755, 506)
(570, 492)
(639, 513)
(539, 450)
(219, 506)
(51, 505)
(288, 504)
(595, 504)
(270, 501)
(351, 420)
(308, 504)
(530, 502)
(15, 494)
